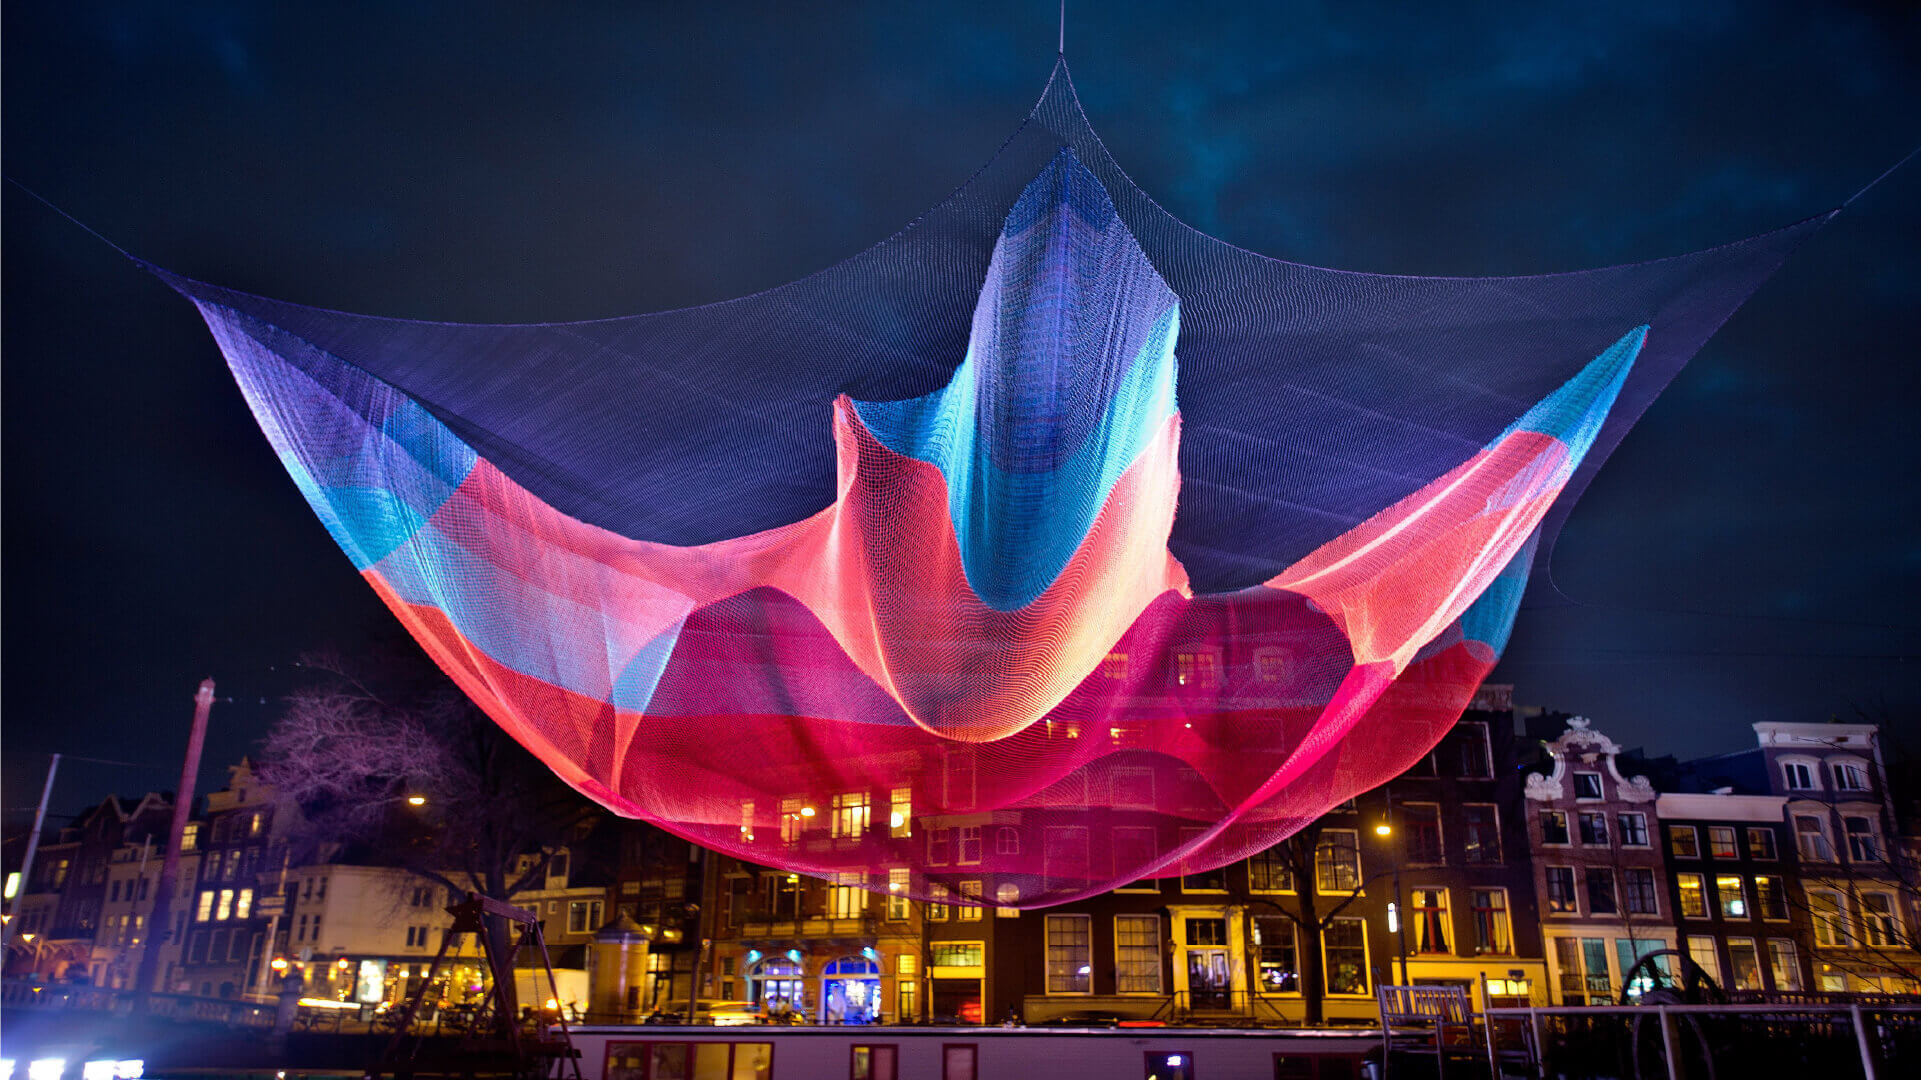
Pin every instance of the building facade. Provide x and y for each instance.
(1597, 871)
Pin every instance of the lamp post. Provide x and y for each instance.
(1396, 911)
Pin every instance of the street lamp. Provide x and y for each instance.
(1396, 919)
(416, 800)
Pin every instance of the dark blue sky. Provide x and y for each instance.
(1751, 552)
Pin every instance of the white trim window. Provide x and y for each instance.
(1850, 775)
(1634, 829)
(1862, 846)
(1811, 838)
(1761, 843)
(1744, 964)
(1879, 920)
(1137, 954)
(1829, 918)
(1701, 950)
(1799, 775)
(1070, 954)
(1784, 964)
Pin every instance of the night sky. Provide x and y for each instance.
(1749, 553)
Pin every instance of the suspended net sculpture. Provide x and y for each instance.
(1045, 546)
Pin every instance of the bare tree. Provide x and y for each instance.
(385, 757)
(1304, 856)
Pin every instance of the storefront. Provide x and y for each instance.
(777, 984)
(850, 991)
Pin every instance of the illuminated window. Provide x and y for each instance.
(1830, 922)
(850, 816)
(1784, 963)
(1280, 965)
(1137, 954)
(791, 821)
(1684, 842)
(1491, 932)
(846, 899)
(1069, 954)
(1337, 861)
(897, 906)
(900, 815)
(1007, 840)
(971, 911)
(1721, 842)
(1733, 897)
(1270, 665)
(205, 911)
(1560, 890)
(1198, 668)
(1694, 895)
(1701, 950)
(1427, 914)
(243, 904)
(1770, 898)
(224, 910)
(1344, 951)
(1744, 964)
(1879, 920)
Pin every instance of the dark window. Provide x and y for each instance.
(1634, 830)
(1423, 824)
(1268, 871)
(1638, 884)
(1207, 931)
(1594, 829)
(1554, 827)
(1483, 833)
(1560, 889)
(1600, 892)
(1761, 844)
(1587, 785)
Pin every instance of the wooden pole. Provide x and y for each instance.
(26, 864)
(159, 928)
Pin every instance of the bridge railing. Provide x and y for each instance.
(1832, 1041)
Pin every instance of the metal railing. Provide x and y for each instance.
(1703, 1042)
(20, 993)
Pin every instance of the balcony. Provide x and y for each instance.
(822, 929)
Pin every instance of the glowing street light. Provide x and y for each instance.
(416, 800)
(1383, 829)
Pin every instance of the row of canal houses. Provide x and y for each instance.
(1528, 858)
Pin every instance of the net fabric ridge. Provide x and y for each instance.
(1047, 545)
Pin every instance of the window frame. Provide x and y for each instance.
(1425, 918)
(1294, 946)
(1772, 845)
(1086, 946)
(1700, 880)
(1600, 792)
(1353, 850)
(1367, 971)
(1810, 769)
(1573, 907)
(1439, 850)
(1640, 829)
(854, 1071)
(1154, 942)
(1468, 828)
(1505, 919)
(1567, 835)
(1716, 849)
(1693, 834)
